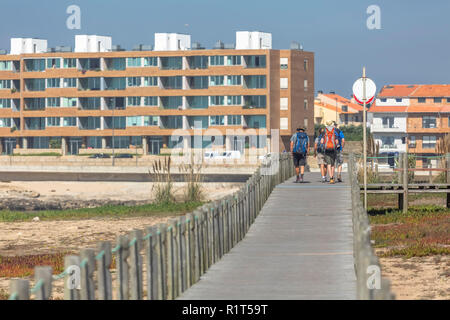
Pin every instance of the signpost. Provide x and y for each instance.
(364, 90)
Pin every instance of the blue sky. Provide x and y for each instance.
(412, 46)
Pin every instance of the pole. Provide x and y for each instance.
(114, 107)
(336, 111)
(364, 138)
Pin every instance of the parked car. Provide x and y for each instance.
(123, 156)
(99, 156)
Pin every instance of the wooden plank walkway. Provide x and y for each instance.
(299, 247)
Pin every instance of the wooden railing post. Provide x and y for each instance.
(87, 266)
(20, 289)
(161, 254)
(43, 277)
(72, 282)
(123, 272)
(136, 280)
(405, 183)
(104, 259)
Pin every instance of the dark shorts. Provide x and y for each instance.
(299, 159)
(330, 157)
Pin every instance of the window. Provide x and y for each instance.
(234, 120)
(198, 62)
(53, 83)
(35, 64)
(53, 121)
(35, 84)
(234, 100)
(255, 121)
(53, 102)
(388, 122)
(234, 60)
(398, 99)
(116, 63)
(198, 82)
(284, 125)
(134, 101)
(69, 122)
(283, 83)
(383, 99)
(5, 66)
(151, 121)
(412, 141)
(255, 61)
(216, 60)
(251, 102)
(217, 120)
(134, 81)
(135, 121)
(448, 100)
(150, 61)
(5, 122)
(150, 81)
(234, 80)
(5, 84)
(429, 122)
(70, 63)
(53, 63)
(5, 103)
(70, 82)
(387, 142)
(437, 100)
(283, 63)
(217, 100)
(172, 82)
(171, 63)
(305, 123)
(448, 122)
(94, 142)
(284, 102)
(429, 142)
(92, 103)
(421, 100)
(305, 104)
(305, 65)
(70, 102)
(134, 62)
(150, 101)
(198, 102)
(216, 80)
(255, 82)
(305, 84)
(35, 103)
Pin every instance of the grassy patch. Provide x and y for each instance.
(422, 231)
(4, 295)
(42, 154)
(109, 211)
(23, 266)
(391, 200)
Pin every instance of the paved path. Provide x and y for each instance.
(299, 247)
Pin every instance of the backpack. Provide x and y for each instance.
(338, 135)
(320, 145)
(301, 143)
(330, 139)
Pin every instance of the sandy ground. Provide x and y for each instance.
(123, 191)
(418, 278)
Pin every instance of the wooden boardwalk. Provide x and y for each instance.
(299, 247)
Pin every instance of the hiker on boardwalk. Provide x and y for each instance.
(319, 154)
(299, 149)
(339, 152)
(330, 141)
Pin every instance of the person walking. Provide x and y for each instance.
(299, 149)
(319, 150)
(339, 152)
(330, 142)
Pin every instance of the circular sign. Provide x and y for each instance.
(358, 90)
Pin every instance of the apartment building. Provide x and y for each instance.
(412, 118)
(336, 108)
(99, 96)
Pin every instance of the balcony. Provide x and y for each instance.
(90, 64)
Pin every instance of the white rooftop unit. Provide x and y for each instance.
(172, 41)
(92, 43)
(253, 40)
(28, 45)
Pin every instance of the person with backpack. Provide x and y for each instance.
(330, 142)
(339, 154)
(319, 153)
(299, 149)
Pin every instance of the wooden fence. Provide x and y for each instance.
(175, 254)
(370, 284)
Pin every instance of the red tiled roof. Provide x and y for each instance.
(333, 108)
(343, 101)
(432, 90)
(425, 108)
(375, 108)
(398, 90)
